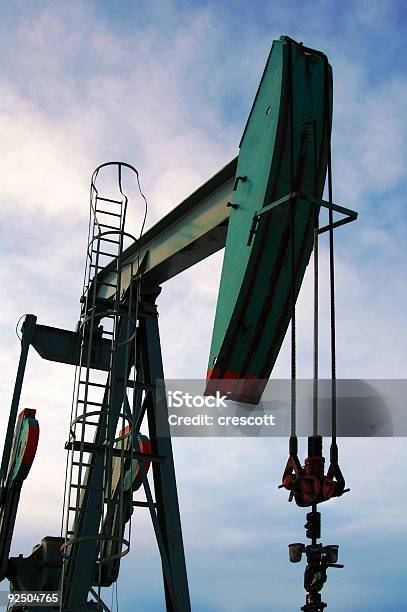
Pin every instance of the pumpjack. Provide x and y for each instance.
(264, 208)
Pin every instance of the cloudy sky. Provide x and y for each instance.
(167, 85)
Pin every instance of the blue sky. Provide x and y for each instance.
(167, 86)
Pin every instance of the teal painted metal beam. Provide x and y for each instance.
(284, 150)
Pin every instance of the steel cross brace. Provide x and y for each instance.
(290, 198)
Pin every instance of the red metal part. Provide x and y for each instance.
(309, 485)
(24, 446)
(144, 447)
(31, 442)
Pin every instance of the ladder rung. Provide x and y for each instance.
(75, 508)
(141, 504)
(95, 266)
(93, 384)
(109, 226)
(106, 212)
(104, 253)
(109, 200)
(91, 403)
(83, 464)
(90, 422)
(103, 239)
(107, 284)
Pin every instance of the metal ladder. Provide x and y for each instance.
(93, 445)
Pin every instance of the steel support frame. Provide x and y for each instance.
(166, 497)
(9, 499)
(27, 334)
(164, 509)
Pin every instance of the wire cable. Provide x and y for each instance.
(316, 315)
(331, 272)
(332, 300)
(293, 283)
